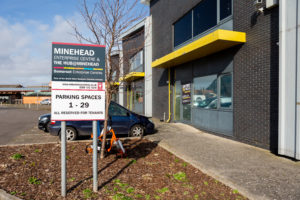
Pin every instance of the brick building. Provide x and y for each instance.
(223, 66)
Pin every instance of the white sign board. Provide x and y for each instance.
(78, 101)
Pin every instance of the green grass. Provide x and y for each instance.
(205, 183)
(120, 196)
(87, 193)
(147, 196)
(38, 150)
(163, 190)
(130, 190)
(235, 191)
(180, 176)
(34, 181)
(17, 156)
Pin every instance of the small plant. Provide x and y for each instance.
(67, 157)
(185, 193)
(196, 196)
(23, 194)
(157, 197)
(205, 183)
(184, 164)
(189, 186)
(180, 176)
(203, 193)
(32, 164)
(133, 161)
(13, 193)
(235, 191)
(139, 196)
(147, 196)
(130, 190)
(216, 181)
(117, 181)
(176, 160)
(121, 196)
(123, 185)
(116, 189)
(88, 194)
(17, 156)
(34, 181)
(163, 190)
(38, 150)
(72, 179)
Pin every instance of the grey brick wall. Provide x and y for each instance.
(255, 67)
(256, 76)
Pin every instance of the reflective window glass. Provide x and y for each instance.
(205, 16)
(225, 8)
(226, 91)
(115, 110)
(205, 92)
(136, 62)
(183, 29)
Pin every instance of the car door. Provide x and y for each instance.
(119, 118)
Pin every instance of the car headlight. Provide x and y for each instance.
(44, 119)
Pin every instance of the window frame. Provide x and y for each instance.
(219, 108)
(133, 59)
(194, 37)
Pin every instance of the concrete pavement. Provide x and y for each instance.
(254, 172)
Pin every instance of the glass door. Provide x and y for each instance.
(186, 102)
(177, 101)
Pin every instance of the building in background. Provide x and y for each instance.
(216, 67)
(136, 75)
(17, 94)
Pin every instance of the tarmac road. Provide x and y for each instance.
(15, 121)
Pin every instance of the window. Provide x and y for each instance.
(205, 16)
(115, 110)
(205, 92)
(183, 29)
(136, 62)
(226, 91)
(225, 8)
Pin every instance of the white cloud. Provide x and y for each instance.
(25, 50)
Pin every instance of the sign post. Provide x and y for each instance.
(63, 159)
(78, 93)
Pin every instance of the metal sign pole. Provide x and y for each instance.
(95, 159)
(63, 159)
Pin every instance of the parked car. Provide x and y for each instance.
(45, 102)
(44, 122)
(123, 121)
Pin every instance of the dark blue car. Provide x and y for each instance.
(123, 121)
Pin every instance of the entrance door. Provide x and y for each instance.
(182, 105)
(177, 101)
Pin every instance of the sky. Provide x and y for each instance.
(27, 29)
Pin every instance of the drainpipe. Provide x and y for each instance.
(169, 87)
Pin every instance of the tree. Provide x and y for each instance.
(106, 21)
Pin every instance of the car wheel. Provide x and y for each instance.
(47, 127)
(137, 131)
(71, 134)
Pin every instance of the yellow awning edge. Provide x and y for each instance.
(204, 46)
(133, 76)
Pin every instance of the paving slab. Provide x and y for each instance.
(254, 172)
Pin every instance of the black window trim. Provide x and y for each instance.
(219, 23)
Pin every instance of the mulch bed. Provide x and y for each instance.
(148, 172)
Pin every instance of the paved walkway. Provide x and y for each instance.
(254, 172)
